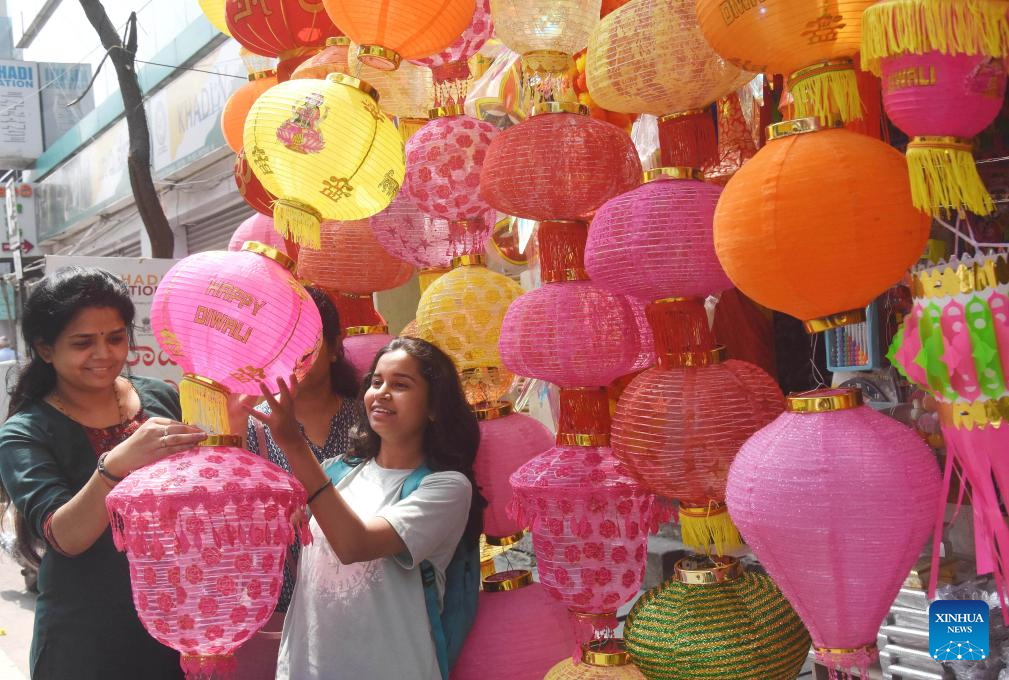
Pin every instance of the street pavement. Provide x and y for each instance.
(17, 612)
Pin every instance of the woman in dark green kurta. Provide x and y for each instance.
(76, 428)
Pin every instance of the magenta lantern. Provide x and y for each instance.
(590, 525)
(656, 241)
(942, 101)
(361, 349)
(517, 627)
(558, 165)
(259, 228)
(646, 339)
(232, 320)
(443, 162)
(573, 335)
(206, 532)
(836, 501)
(507, 441)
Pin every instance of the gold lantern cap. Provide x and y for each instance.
(271, 253)
(232, 440)
(799, 126)
(493, 410)
(505, 581)
(560, 107)
(338, 41)
(447, 111)
(683, 114)
(824, 401)
(700, 570)
(696, 359)
(505, 541)
(382, 58)
(260, 75)
(606, 652)
(378, 329)
(470, 260)
(356, 83)
(821, 68)
(826, 323)
(673, 172)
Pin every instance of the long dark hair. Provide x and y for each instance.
(50, 308)
(451, 440)
(342, 379)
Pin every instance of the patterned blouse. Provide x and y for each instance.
(336, 444)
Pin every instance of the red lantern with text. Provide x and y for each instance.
(251, 189)
(279, 28)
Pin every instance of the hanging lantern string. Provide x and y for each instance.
(820, 382)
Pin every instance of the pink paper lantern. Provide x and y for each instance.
(590, 525)
(206, 532)
(427, 242)
(232, 320)
(573, 334)
(507, 441)
(258, 228)
(443, 162)
(360, 350)
(521, 625)
(656, 241)
(646, 339)
(815, 494)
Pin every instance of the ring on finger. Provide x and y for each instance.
(164, 440)
(165, 433)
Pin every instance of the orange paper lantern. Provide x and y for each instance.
(392, 30)
(818, 223)
(811, 43)
(238, 105)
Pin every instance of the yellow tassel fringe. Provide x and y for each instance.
(205, 405)
(945, 179)
(299, 222)
(895, 27)
(701, 532)
(827, 94)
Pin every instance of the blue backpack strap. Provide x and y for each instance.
(341, 466)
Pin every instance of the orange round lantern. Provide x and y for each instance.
(238, 105)
(811, 43)
(350, 260)
(818, 223)
(392, 30)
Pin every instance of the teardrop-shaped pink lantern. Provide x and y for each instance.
(507, 441)
(206, 532)
(450, 67)
(837, 502)
(258, 228)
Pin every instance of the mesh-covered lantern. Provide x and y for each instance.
(558, 165)
(811, 43)
(279, 28)
(649, 56)
(714, 620)
(823, 271)
(258, 228)
(326, 150)
(944, 82)
(810, 489)
(206, 532)
(390, 31)
(462, 313)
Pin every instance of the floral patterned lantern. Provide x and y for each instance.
(450, 67)
(206, 532)
(807, 491)
(278, 28)
(326, 150)
(712, 619)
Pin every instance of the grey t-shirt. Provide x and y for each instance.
(369, 620)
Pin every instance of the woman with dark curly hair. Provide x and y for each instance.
(362, 577)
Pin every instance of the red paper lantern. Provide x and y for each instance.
(558, 165)
(351, 260)
(507, 441)
(279, 28)
(251, 189)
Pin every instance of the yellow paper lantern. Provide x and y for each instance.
(811, 43)
(326, 150)
(462, 313)
(214, 11)
(407, 92)
(650, 56)
(545, 32)
(601, 660)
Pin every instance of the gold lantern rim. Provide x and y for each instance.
(720, 570)
(377, 56)
(376, 329)
(820, 68)
(579, 439)
(799, 126)
(826, 323)
(709, 357)
(673, 172)
(942, 142)
(206, 382)
(262, 75)
(230, 440)
(338, 41)
(505, 581)
(356, 83)
(505, 541)
(271, 253)
(493, 411)
(446, 111)
(469, 260)
(559, 107)
(824, 400)
(606, 652)
(845, 651)
(683, 114)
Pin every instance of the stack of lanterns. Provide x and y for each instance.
(206, 530)
(944, 81)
